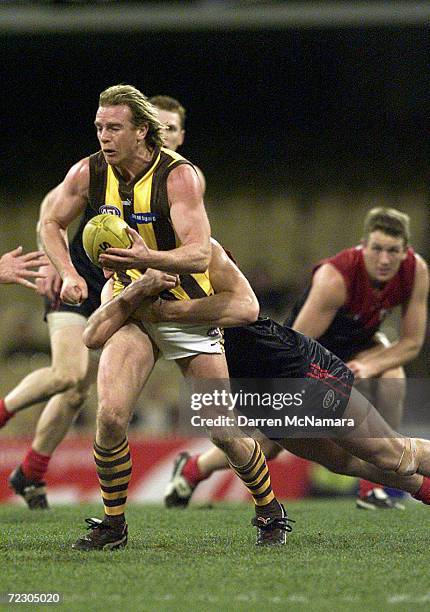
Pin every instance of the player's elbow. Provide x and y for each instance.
(251, 310)
(244, 312)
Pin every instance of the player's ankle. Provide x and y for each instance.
(272, 509)
(114, 521)
(35, 465)
(192, 472)
(5, 414)
(423, 493)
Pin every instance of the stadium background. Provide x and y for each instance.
(299, 128)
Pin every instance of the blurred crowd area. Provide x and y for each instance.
(275, 240)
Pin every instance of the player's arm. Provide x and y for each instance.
(234, 302)
(50, 284)
(202, 179)
(190, 223)
(16, 267)
(114, 312)
(327, 295)
(412, 331)
(68, 201)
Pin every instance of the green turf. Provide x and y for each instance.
(337, 558)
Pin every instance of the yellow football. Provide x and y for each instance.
(101, 233)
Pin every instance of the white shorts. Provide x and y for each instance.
(179, 340)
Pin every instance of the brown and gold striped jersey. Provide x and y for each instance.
(144, 205)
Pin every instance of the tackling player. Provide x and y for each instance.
(266, 350)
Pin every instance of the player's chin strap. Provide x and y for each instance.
(408, 463)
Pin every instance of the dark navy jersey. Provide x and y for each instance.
(355, 324)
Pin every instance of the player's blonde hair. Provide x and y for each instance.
(389, 221)
(142, 111)
(172, 105)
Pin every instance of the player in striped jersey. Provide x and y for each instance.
(159, 194)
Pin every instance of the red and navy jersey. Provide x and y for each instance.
(357, 321)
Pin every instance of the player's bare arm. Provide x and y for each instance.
(191, 226)
(327, 295)
(16, 267)
(233, 304)
(114, 312)
(50, 284)
(68, 202)
(412, 332)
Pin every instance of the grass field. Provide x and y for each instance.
(337, 558)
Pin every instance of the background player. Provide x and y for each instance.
(66, 382)
(350, 295)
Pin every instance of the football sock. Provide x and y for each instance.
(256, 478)
(191, 471)
(366, 487)
(114, 473)
(35, 465)
(423, 493)
(5, 415)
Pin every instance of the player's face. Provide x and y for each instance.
(120, 140)
(173, 134)
(383, 255)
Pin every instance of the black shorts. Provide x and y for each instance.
(306, 382)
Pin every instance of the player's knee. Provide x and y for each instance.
(111, 421)
(64, 380)
(75, 397)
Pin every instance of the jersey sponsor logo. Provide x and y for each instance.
(144, 217)
(329, 398)
(109, 209)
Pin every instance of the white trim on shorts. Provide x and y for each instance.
(58, 320)
(179, 340)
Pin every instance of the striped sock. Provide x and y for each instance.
(114, 473)
(256, 478)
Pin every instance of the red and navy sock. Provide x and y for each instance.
(35, 465)
(191, 471)
(365, 487)
(5, 415)
(423, 493)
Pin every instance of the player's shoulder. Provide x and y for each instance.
(329, 276)
(421, 264)
(80, 171)
(172, 157)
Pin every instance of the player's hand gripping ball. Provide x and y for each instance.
(101, 233)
